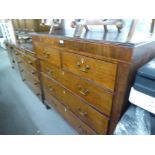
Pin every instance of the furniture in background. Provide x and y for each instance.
(24, 60)
(30, 25)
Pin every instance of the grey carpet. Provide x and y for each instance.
(21, 112)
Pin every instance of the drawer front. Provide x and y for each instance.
(26, 60)
(86, 113)
(96, 96)
(34, 88)
(101, 72)
(18, 54)
(33, 73)
(75, 122)
(32, 83)
(30, 61)
(50, 54)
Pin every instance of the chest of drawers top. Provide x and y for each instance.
(100, 49)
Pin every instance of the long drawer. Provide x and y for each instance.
(49, 54)
(90, 116)
(29, 70)
(96, 96)
(26, 59)
(81, 127)
(101, 72)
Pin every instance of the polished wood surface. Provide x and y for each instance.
(95, 95)
(75, 122)
(90, 116)
(91, 69)
(51, 55)
(86, 79)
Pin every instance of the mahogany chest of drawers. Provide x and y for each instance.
(88, 81)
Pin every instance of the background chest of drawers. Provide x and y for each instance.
(89, 82)
(26, 63)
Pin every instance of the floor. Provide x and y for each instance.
(21, 112)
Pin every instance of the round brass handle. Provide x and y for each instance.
(49, 72)
(33, 72)
(82, 130)
(35, 83)
(78, 64)
(37, 94)
(83, 114)
(29, 62)
(54, 104)
(50, 88)
(83, 91)
(44, 52)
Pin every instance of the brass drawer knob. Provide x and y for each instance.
(83, 114)
(37, 94)
(46, 55)
(49, 72)
(85, 69)
(19, 62)
(82, 130)
(33, 72)
(16, 53)
(30, 62)
(36, 83)
(50, 88)
(83, 91)
(54, 104)
(78, 64)
(82, 68)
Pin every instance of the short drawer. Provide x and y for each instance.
(52, 55)
(101, 72)
(90, 116)
(96, 96)
(75, 122)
